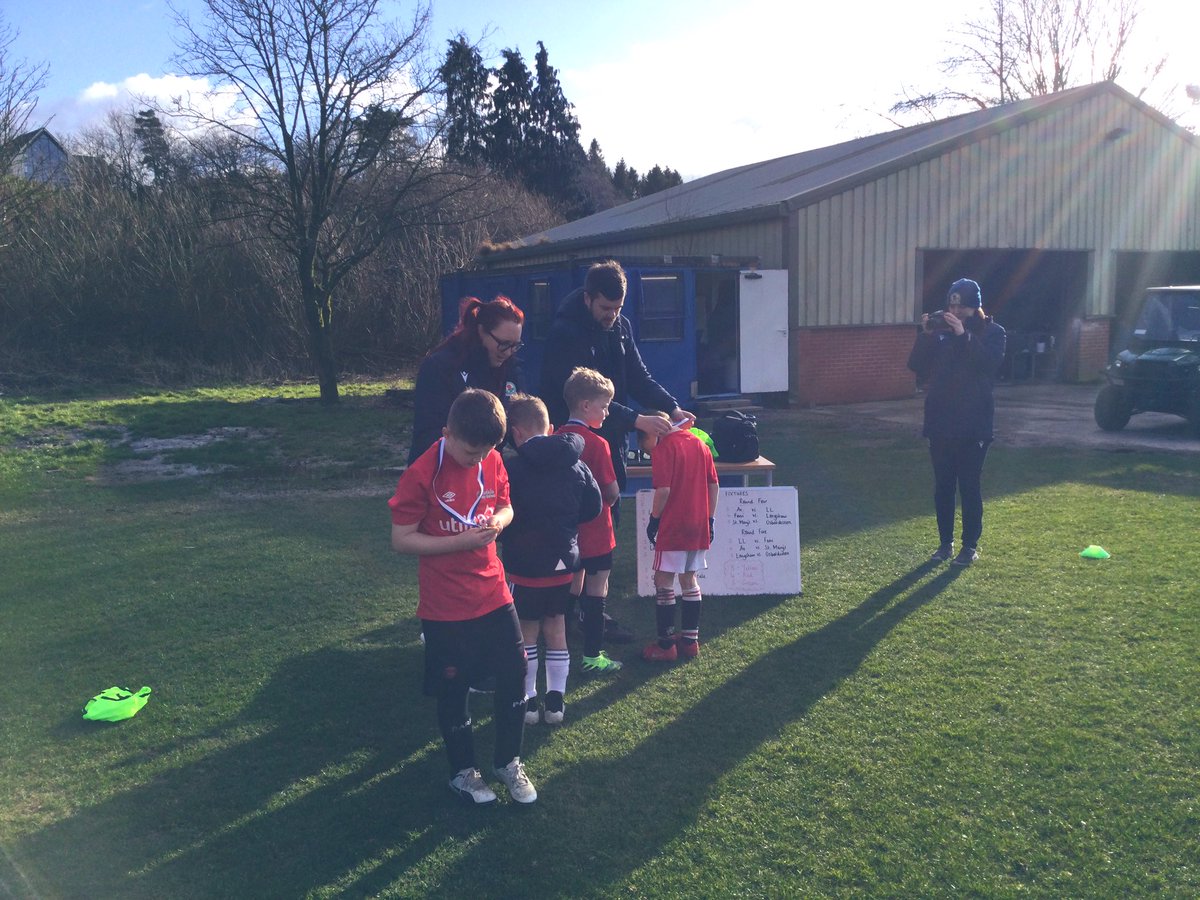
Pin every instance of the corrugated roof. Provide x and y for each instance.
(773, 187)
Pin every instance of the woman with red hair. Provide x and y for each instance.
(481, 352)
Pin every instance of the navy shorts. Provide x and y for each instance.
(535, 603)
(594, 564)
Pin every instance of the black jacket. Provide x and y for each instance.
(576, 339)
(443, 375)
(551, 491)
(959, 373)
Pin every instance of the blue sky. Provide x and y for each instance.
(698, 85)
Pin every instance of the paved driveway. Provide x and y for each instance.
(1038, 415)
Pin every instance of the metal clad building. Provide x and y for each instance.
(1062, 207)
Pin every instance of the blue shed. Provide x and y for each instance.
(684, 313)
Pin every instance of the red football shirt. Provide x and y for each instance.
(597, 536)
(682, 462)
(453, 587)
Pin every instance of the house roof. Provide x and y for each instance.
(21, 141)
(775, 187)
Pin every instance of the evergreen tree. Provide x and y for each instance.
(525, 129)
(468, 103)
(593, 189)
(382, 136)
(658, 179)
(511, 116)
(596, 157)
(156, 150)
(555, 157)
(625, 180)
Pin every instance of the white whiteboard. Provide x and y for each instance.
(756, 547)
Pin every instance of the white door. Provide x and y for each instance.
(763, 320)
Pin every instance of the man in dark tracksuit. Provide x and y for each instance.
(590, 331)
(957, 359)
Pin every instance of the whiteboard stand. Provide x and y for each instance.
(756, 547)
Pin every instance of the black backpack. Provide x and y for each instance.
(735, 435)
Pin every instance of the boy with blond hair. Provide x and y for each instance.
(680, 530)
(552, 492)
(449, 507)
(588, 394)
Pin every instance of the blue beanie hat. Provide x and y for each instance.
(967, 291)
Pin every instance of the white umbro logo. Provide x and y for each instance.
(449, 496)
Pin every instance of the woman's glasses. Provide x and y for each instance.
(506, 346)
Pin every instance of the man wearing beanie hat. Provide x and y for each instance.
(956, 356)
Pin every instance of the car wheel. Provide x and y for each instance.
(1113, 408)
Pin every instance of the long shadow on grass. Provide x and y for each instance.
(601, 820)
(271, 815)
(342, 770)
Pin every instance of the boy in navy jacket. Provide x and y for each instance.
(551, 491)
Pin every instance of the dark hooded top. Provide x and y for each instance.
(959, 374)
(551, 492)
(444, 374)
(576, 339)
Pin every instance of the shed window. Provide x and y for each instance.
(540, 312)
(662, 308)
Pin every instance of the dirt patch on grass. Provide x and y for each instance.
(152, 462)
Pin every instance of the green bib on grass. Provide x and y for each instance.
(115, 704)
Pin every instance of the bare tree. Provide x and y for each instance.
(113, 143)
(20, 82)
(335, 113)
(1030, 48)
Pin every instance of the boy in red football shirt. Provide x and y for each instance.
(680, 529)
(588, 395)
(448, 509)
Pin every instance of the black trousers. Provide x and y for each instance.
(459, 654)
(958, 470)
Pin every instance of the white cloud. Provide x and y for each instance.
(161, 91)
(166, 92)
(98, 92)
(154, 87)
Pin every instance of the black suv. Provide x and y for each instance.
(1160, 369)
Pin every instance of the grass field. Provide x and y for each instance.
(1028, 726)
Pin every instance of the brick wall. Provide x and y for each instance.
(1093, 350)
(850, 365)
(853, 365)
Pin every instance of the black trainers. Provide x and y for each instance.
(532, 711)
(555, 708)
(615, 632)
(966, 556)
(942, 553)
